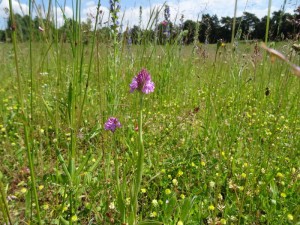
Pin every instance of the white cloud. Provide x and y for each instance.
(131, 16)
(90, 3)
(90, 11)
(191, 9)
(60, 13)
(23, 9)
(19, 8)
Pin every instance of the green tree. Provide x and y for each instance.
(209, 29)
(66, 31)
(86, 28)
(148, 36)
(225, 28)
(260, 29)
(190, 26)
(135, 35)
(103, 34)
(296, 22)
(248, 24)
(2, 36)
(21, 26)
(281, 25)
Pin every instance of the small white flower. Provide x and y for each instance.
(112, 205)
(175, 182)
(154, 202)
(153, 214)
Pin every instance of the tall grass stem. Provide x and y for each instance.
(3, 203)
(140, 162)
(268, 22)
(26, 124)
(234, 23)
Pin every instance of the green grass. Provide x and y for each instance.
(217, 146)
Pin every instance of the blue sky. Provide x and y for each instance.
(191, 9)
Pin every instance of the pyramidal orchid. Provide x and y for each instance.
(142, 82)
(112, 124)
(144, 85)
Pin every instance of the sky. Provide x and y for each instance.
(130, 9)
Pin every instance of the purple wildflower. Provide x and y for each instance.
(114, 6)
(142, 82)
(112, 124)
(111, 4)
(164, 23)
(167, 13)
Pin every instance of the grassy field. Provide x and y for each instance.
(220, 135)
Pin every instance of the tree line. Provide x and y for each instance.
(209, 29)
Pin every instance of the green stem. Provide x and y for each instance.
(30, 61)
(116, 161)
(14, 38)
(114, 77)
(268, 22)
(118, 189)
(73, 102)
(140, 162)
(3, 198)
(32, 174)
(24, 114)
(90, 64)
(234, 23)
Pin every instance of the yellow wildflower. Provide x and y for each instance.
(283, 195)
(290, 217)
(168, 191)
(23, 190)
(175, 182)
(279, 175)
(153, 214)
(127, 201)
(41, 187)
(223, 221)
(179, 173)
(154, 202)
(211, 208)
(74, 218)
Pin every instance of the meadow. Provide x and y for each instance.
(215, 142)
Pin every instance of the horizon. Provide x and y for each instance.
(130, 10)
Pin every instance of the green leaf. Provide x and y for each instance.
(150, 222)
(186, 208)
(70, 100)
(121, 204)
(170, 207)
(56, 178)
(63, 221)
(273, 189)
(82, 165)
(28, 203)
